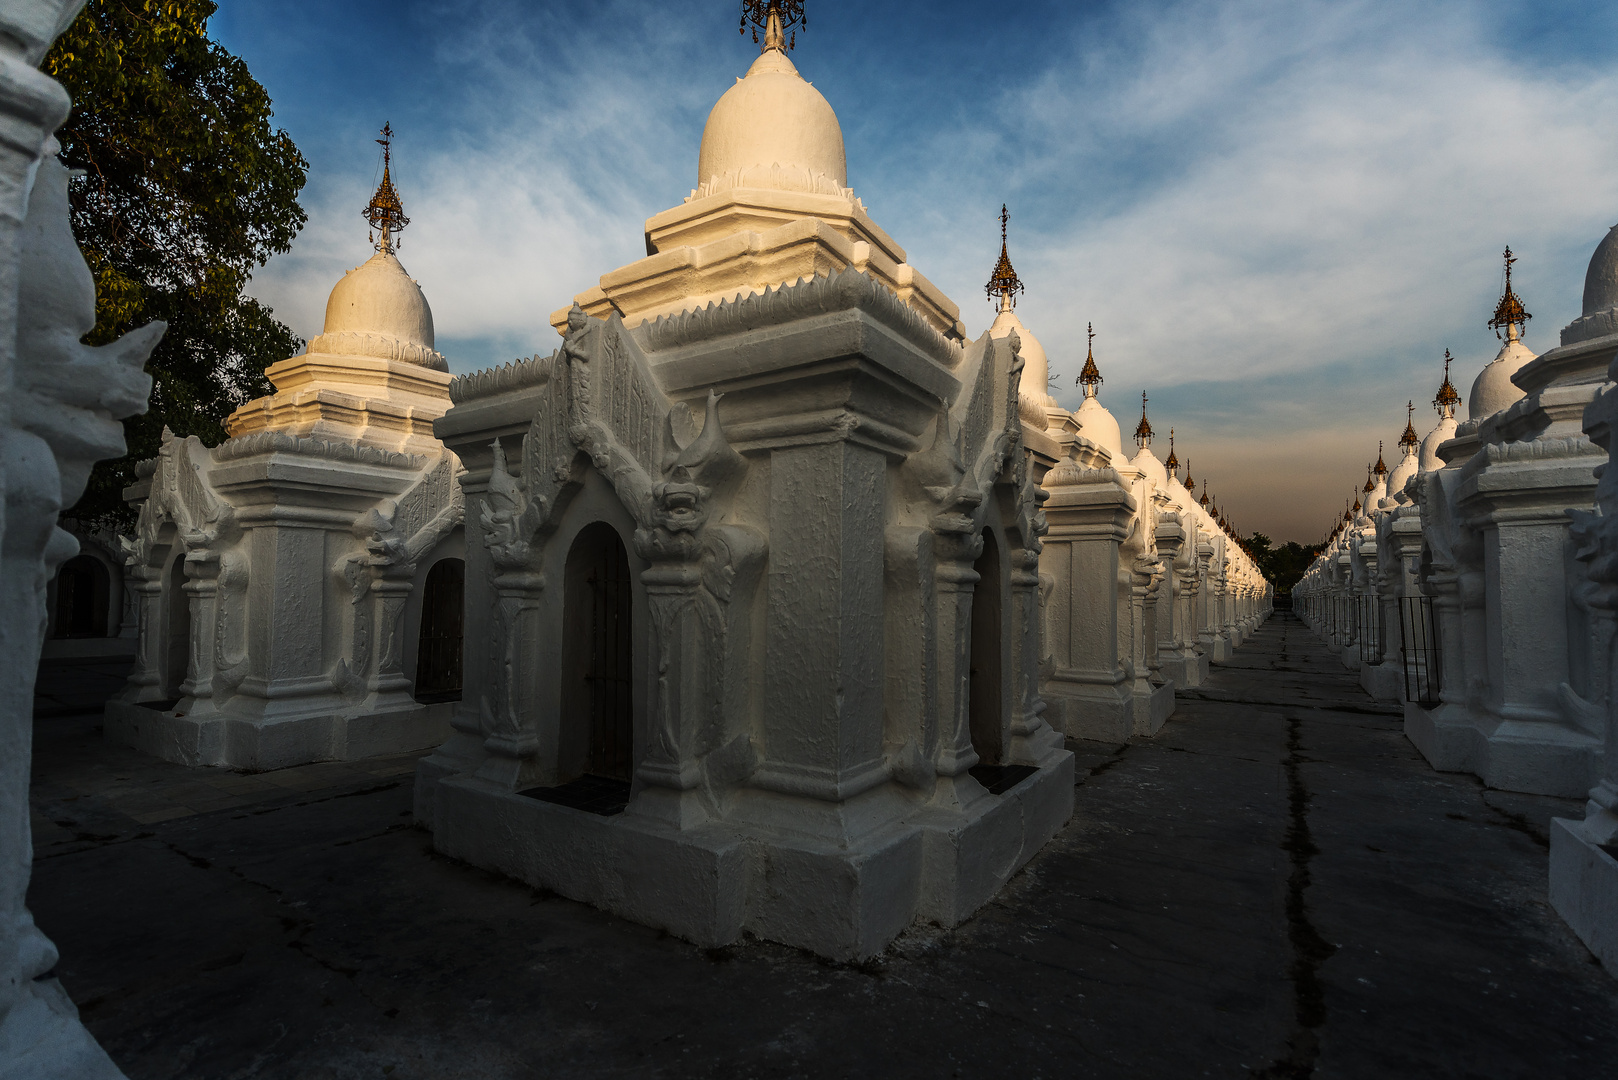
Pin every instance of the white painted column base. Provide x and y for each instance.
(41, 1039)
(843, 899)
(260, 744)
(1533, 757)
(1584, 887)
(1384, 682)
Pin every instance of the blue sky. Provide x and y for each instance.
(1278, 215)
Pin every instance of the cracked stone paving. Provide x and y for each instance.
(1276, 885)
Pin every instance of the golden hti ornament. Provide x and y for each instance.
(779, 19)
(385, 212)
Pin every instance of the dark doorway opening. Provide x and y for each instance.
(439, 646)
(83, 589)
(597, 655)
(984, 695)
(177, 639)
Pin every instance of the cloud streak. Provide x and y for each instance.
(1278, 216)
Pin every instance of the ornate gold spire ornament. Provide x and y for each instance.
(1370, 485)
(1205, 497)
(779, 19)
(1173, 463)
(385, 212)
(1004, 282)
(1410, 440)
(1090, 376)
(1381, 466)
(1190, 484)
(1509, 313)
(1447, 397)
(1143, 430)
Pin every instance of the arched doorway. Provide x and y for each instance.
(597, 655)
(177, 625)
(82, 592)
(984, 696)
(438, 648)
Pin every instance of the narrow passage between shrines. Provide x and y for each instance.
(1276, 885)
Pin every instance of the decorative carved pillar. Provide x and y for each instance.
(202, 587)
(1031, 737)
(954, 581)
(511, 733)
(146, 680)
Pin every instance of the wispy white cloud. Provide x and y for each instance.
(1277, 214)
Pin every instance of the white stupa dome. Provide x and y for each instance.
(1493, 389)
(1100, 427)
(1600, 316)
(1428, 459)
(1147, 463)
(1601, 279)
(1033, 393)
(377, 309)
(1402, 473)
(772, 130)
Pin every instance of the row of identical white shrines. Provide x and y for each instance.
(779, 594)
(1478, 584)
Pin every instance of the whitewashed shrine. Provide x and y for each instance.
(753, 608)
(299, 587)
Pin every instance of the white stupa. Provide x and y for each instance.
(1445, 402)
(772, 206)
(1409, 464)
(1034, 400)
(1095, 422)
(1493, 389)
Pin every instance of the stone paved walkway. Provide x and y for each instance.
(1275, 886)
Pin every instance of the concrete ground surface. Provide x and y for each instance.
(1275, 886)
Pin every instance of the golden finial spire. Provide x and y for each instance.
(1447, 397)
(385, 212)
(1173, 463)
(1509, 313)
(1190, 484)
(1410, 440)
(1004, 282)
(779, 19)
(1143, 430)
(1370, 485)
(1205, 496)
(1381, 466)
(1090, 376)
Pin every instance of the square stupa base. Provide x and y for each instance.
(1384, 682)
(1186, 671)
(712, 883)
(218, 738)
(1584, 888)
(1536, 757)
(1104, 712)
(1152, 711)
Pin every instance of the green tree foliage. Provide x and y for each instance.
(1281, 566)
(186, 189)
